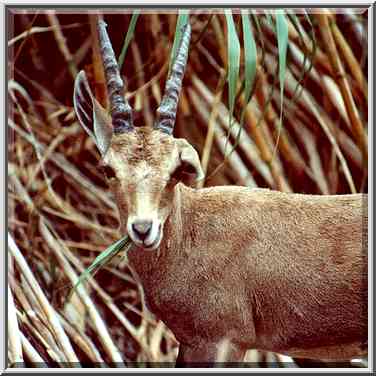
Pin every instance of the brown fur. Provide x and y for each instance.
(263, 269)
(250, 268)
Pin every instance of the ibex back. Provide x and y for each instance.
(257, 268)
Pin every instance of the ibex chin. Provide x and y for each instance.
(258, 268)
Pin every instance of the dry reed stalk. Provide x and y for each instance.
(91, 191)
(105, 298)
(340, 76)
(14, 86)
(123, 276)
(148, 118)
(156, 91)
(237, 165)
(97, 322)
(258, 134)
(277, 170)
(155, 341)
(354, 21)
(74, 310)
(350, 59)
(171, 22)
(245, 142)
(350, 148)
(61, 42)
(298, 65)
(234, 160)
(289, 151)
(147, 319)
(31, 353)
(211, 126)
(314, 160)
(218, 31)
(71, 214)
(14, 339)
(184, 108)
(265, 148)
(19, 189)
(99, 80)
(26, 122)
(313, 107)
(294, 111)
(49, 312)
(153, 81)
(336, 98)
(51, 148)
(204, 51)
(319, 60)
(38, 30)
(28, 27)
(83, 342)
(155, 25)
(88, 247)
(82, 51)
(35, 322)
(333, 141)
(45, 93)
(32, 320)
(52, 353)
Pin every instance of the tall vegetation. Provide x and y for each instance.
(275, 99)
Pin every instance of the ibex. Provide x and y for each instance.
(258, 268)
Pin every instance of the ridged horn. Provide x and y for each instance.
(121, 111)
(166, 112)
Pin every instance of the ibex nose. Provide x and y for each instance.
(142, 228)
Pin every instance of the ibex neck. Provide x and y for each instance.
(147, 263)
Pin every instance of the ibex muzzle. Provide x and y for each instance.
(252, 268)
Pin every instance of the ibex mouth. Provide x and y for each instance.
(152, 245)
(145, 234)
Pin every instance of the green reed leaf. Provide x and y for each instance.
(282, 39)
(233, 48)
(183, 19)
(128, 37)
(250, 55)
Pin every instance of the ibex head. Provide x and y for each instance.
(142, 164)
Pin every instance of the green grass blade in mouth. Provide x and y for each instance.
(102, 259)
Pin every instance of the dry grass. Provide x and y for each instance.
(61, 214)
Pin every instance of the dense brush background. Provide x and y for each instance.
(60, 212)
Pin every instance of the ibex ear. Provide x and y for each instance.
(190, 158)
(91, 114)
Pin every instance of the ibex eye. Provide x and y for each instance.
(189, 169)
(177, 174)
(182, 171)
(109, 172)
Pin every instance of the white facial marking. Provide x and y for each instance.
(144, 209)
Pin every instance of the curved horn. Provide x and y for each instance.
(121, 112)
(166, 112)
